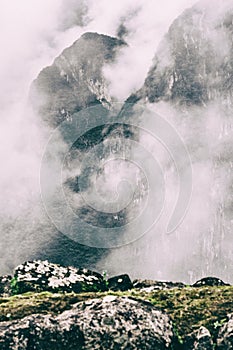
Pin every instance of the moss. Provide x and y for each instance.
(14, 286)
(22, 305)
(189, 308)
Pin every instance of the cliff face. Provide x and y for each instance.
(190, 82)
(75, 80)
(192, 69)
(193, 64)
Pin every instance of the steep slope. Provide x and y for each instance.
(75, 80)
(193, 64)
(190, 83)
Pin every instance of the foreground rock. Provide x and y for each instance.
(210, 281)
(121, 282)
(225, 337)
(39, 332)
(5, 285)
(110, 323)
(38, 276)
(199, 340)
(93, 319)
(150, 285)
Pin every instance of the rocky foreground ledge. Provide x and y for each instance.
(45, 306)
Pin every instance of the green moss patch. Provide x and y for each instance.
(189, 307)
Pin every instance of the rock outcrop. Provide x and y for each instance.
(156, 285)
(225, 336)
(40, 332)
(199, 340)
(110, 323)
(210, 281)
(38, 276)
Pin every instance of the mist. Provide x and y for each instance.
(202, 244)
(32, 35)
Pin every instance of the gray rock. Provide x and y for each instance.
(121, 282)
(109, 323)
(209, 281)
(150, 285)
(44, 276)
(199, 340)
(5, 285)
(39, 332)
(225, 336)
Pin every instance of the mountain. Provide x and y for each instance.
(192, 75)
(193, 64)
(75, 80)
(190, 83)
(72, 83)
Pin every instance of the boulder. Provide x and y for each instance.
(199, 340)
(5, 285)
(225, 336)
(39, 332)
(108, 323)
(121, 282)
(150, 285)
(209, 281)
(38, 276)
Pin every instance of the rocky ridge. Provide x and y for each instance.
(193, 64)
(75, 80)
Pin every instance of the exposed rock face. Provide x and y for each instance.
(193, 64)
(225, 337)
(191, 83)
(41, 276)
(190, 69)
(111, 323)
(199, 340)
(75, 80)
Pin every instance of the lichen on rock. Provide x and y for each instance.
(41, 276)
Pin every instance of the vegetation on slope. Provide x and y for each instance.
(188, 307)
